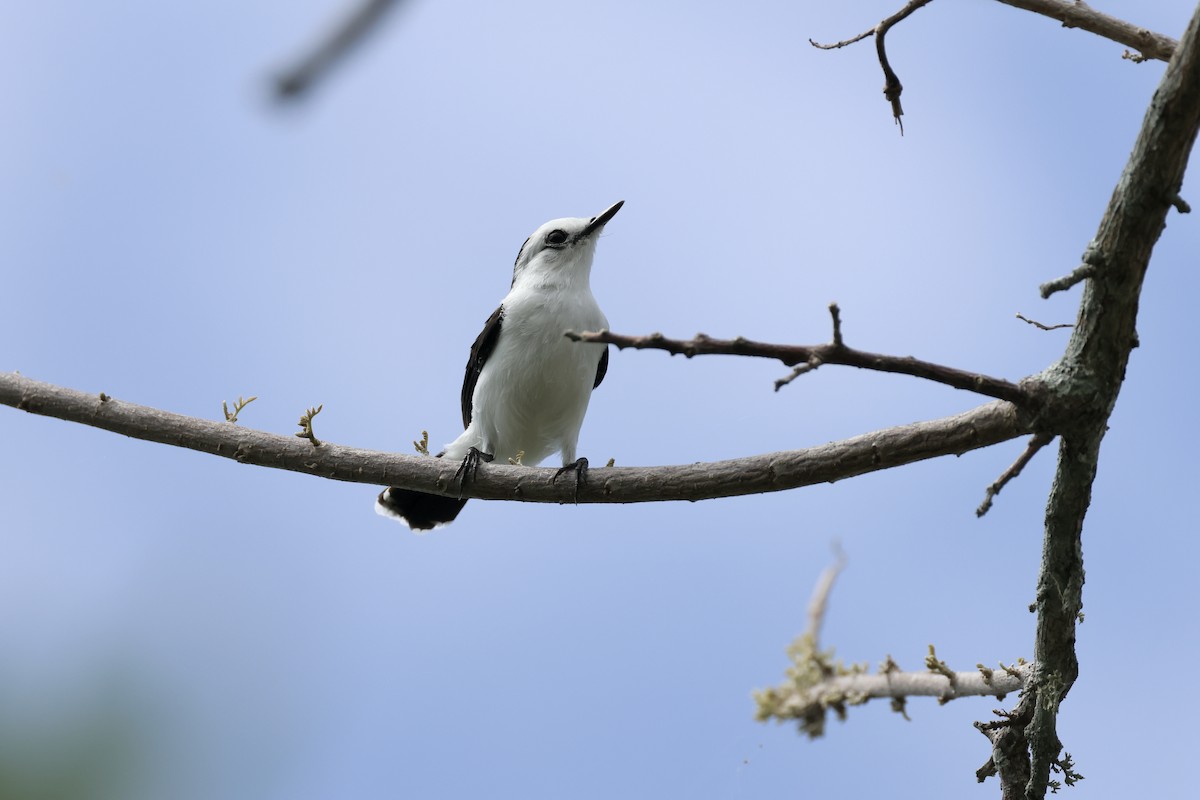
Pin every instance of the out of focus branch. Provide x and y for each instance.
(786, 703)
(818, 682)
(348, 34)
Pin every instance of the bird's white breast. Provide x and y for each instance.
(534, 389)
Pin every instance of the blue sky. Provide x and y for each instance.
(170, 236)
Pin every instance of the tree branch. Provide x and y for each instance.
(817, 682)
(1038, 441)
(1010, 749)
(1043, 326)
(858, 688)
(769, 472)
(1090, 374)
(349, 33)
(1080, 15)
(1075, 14)
(892, 88)
(811, 356)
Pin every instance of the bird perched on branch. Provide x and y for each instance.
(527, 386)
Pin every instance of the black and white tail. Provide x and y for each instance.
(418, 510)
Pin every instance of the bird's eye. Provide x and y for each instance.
(556, 237)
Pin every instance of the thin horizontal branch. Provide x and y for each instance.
(1042, 325)
(1074, 14)
(861, 687)
(818, 682)
(832, 353)
(770, 472)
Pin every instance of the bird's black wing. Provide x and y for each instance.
(601, 368)
(484, 344)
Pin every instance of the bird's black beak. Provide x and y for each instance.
(598, 222)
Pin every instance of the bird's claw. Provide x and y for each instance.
(470, 466)
(580, 468)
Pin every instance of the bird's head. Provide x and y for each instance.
(560, 252)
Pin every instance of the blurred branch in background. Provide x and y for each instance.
(349, 33)
(818, 682)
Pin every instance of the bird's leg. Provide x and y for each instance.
(470, 466)
(580, 468)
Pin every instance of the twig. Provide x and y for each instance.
(809, 357)
(892, 87)
(237, 408)
(1039, 441)
(836, 313)
(348, 34)
(306, 428)
(1080, 273)
(939, 667)
(820, 595)
(1037, 324)
(1181, 205)
(770, 472)
(843, 43)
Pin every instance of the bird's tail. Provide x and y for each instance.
(418, 510)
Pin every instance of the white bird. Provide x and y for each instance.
(527, 386)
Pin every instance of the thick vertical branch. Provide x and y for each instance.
(1089, 376)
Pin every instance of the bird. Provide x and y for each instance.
(527, 386)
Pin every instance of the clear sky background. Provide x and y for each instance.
(176, 625)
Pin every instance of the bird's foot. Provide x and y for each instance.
(580, 468)
(470, 465)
